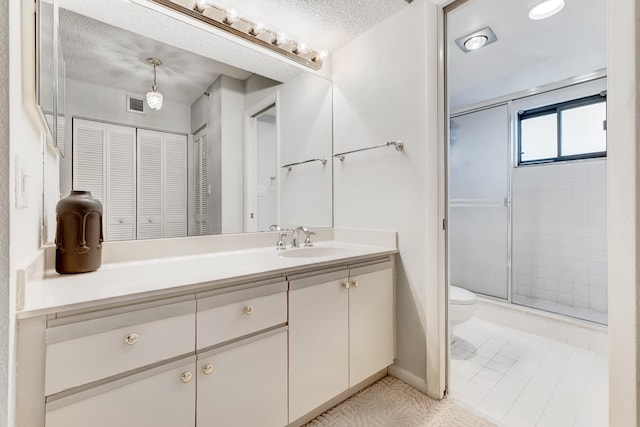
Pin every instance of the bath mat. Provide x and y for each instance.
(390, 402)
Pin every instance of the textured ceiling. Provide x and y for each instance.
(108, 41)
(527, 53)
(96, 52)
(322, 24)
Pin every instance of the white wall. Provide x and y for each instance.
(304, 118)
(232, 154)
(384, 90)
(222, 112)
(5, 293)
(26, 132)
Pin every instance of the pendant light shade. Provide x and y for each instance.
(154, 98)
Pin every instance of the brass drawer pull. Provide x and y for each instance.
(248, 310)
(186, 377)
(131, 339)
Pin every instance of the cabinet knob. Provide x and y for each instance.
(150, 219)
(207, 369)
(355, 283)
(248, 310)
(346, 285)
(186, 377)
(131, 339)
(121, 221)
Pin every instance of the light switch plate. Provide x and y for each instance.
(22, 185)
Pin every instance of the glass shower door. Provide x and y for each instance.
(479, 162)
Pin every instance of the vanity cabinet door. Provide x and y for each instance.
(244, 384)
(371, 321)
(160, 397)
(318, 340)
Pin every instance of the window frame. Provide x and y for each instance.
(557, 110)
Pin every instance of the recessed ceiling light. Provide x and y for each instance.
(476, 42)
(546, 9)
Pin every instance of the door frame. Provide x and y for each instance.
(623, 191)
(251, 115)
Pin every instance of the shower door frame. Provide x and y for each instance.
(508, 202)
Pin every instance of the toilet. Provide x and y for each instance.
(462, 306)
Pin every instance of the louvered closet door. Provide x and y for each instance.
(201, 184)
(175, 186)
(121, 183)
(88, 158)
(149, 186)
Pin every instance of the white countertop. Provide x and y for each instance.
(113, 283)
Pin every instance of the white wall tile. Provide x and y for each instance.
(559, 226)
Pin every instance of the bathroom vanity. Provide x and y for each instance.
(242, 337)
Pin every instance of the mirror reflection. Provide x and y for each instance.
(46, 76)
(208, 158)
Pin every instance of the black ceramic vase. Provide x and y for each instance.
(78, 233)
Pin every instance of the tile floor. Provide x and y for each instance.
(517, 379)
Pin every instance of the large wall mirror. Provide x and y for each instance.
(216, 156)
(50, 72)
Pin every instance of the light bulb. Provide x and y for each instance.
(257, 29)
(154, 99)
(546, 9)
(475, 42)
(302, 48)
(324, 53)
(232, 16)
(203, 4)
(282, 38)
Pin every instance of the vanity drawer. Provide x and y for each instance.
(226, 316)
(89, 350)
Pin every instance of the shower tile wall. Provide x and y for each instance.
(559, 233)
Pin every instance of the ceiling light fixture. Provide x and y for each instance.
(546, 9)
(476, 40)
(154, 98)
(231, 22)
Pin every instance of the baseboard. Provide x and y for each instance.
(409, 378)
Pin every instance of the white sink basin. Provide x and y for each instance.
(312, 252)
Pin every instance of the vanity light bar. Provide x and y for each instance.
(230, 22)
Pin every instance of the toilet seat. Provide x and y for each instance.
(461, 296)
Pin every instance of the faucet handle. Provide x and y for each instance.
(307, 241)
(281, 244)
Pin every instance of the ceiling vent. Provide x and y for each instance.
(135, 104)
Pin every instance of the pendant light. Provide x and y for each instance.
(154, 98)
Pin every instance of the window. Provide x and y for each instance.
(566, 131)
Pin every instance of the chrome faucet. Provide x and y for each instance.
(281, 244)
(295, 242)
